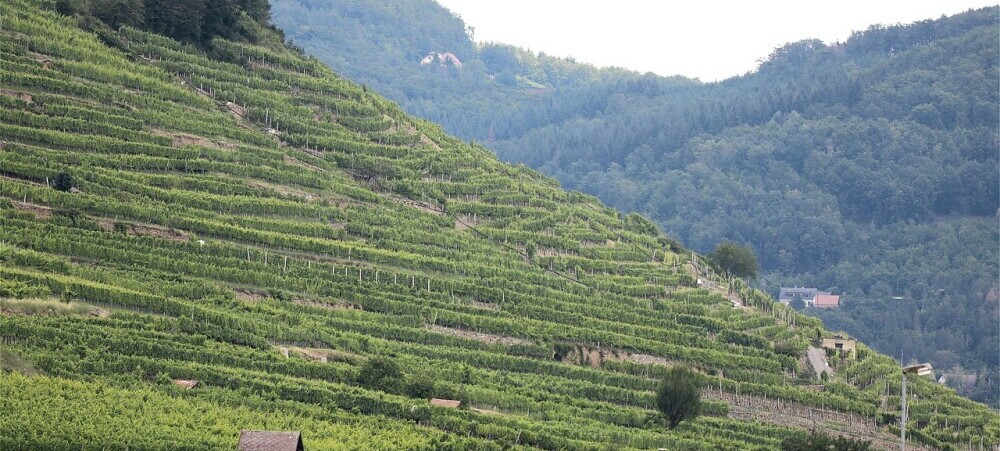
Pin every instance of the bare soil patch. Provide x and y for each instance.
(144, 230)
(40, 211)
(20, 179)
(485, 411)
(248, 296)
(595, 357)
(339, 305)
(98, 312)
(45, 60)
(238, 111)
(159, 232)
(787, 413)
(17, 95)
(422, 206)
(429, 142)
(284, 190)
(478, 336)
(184, 140)
(323, 355)
(485, 305)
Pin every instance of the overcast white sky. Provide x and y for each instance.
(707, 39)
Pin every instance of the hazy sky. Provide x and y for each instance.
(708, 39)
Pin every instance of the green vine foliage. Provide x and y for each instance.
(243, 217)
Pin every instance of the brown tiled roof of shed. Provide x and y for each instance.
(270, 441)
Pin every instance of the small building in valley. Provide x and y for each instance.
(270, 441)
(810, 297)
(789, 294)
(444, 59)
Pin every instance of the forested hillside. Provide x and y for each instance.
(212, 235)
(867, 168)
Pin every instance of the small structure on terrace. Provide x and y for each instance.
(841, 343)
(270, 441)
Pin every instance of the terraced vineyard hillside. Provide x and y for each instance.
(232, 237)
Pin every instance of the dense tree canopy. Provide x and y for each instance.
(735, 260)
(192, 21)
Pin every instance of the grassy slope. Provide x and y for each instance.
(333, 221)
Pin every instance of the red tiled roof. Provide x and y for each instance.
(270, 441)
(827, 300)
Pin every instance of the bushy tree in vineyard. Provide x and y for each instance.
(735, 260)
(679, 395)
(380, 373)
(63, 181)
(421, 387)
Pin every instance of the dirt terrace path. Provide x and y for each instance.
(786, 413)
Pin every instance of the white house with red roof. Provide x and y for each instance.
(811, 297)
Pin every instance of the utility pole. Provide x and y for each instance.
(902, 417)
(920, 369)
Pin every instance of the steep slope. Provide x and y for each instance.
(257, 224)
(838, 163)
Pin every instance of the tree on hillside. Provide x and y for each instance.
(120, 12)
(735, 260)
(71, 7)
(380, 373)
(421, 387)
(63, 181)
(679, 395)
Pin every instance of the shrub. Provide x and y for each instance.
(679, 395)
(735, 260)
(421, 387)
(380, 373)
(63, 181)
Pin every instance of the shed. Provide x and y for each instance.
(841, 343)
(452, 404)
(270, 441)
